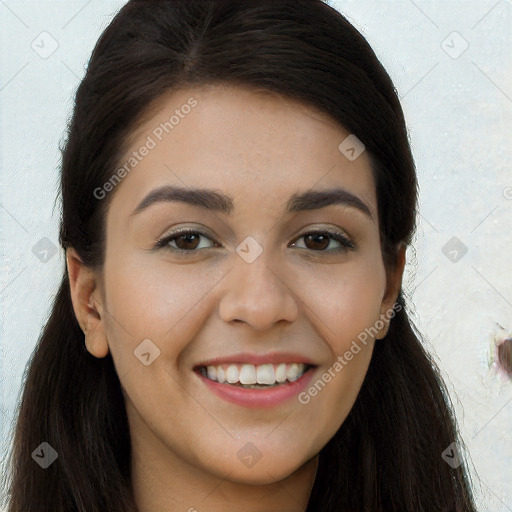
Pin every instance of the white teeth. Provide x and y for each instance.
(249, 374)
(281, 373)
(265, 374)
(232, 374)
(221, 377)
(212, 372)
(293, 372)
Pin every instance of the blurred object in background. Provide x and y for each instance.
(501, 352)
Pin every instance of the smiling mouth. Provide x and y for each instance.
(251, 376)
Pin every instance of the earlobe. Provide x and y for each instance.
(96, 346)
(88, 310)
(394, 284)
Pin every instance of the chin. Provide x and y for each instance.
(267, 475)
(266, 470)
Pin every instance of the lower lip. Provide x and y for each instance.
(256, 398)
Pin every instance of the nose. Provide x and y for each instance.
(258, 294)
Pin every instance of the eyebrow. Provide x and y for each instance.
(222, 203)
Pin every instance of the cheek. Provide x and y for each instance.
(356, 309)
(347, 302)
(157, 301)
(345, 309)
(334, 389)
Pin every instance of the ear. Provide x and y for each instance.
(84, 284)
(393, 285)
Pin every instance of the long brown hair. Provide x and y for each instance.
(387, 455)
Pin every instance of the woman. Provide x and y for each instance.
(230, 331)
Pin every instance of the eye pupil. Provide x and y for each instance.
(189, 237)
(315, 238)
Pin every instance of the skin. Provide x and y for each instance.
(259, 148)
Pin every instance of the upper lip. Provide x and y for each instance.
(257, 359)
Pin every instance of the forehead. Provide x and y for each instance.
(256, 146)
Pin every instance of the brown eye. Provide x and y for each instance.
(186, 242)
(317, 242)
(320, 241)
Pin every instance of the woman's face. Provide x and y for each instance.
(254, 177)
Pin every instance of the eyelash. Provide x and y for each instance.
(346, 244)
